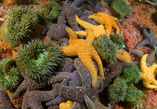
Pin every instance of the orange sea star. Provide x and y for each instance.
(88, 34)
(97, 30)
(107, 20)
(85, 51)
(148, 74)
(123, 55)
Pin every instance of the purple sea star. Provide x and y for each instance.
(33, 99)
(115, 70)
(67, 65)
(74, 80)
(150, 39)
(28, 84)
(5, 101)
(68, 12)
(76, 93)
(91, 5)
(55, 31)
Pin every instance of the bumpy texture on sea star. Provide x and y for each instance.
(67, 65)
(115, 70)
(149, 59)
(86, 52)
(107, 20)
(97, 30)
(150, 39)
(148, 73)
(5, 101)
(28, 84)
(123, 56)
(74, 80)
(91, 5)
(152, 2)
(68, 12)
(33, 99)
(55, 31)
(76, 93)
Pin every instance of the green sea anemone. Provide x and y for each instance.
(106, 49)
(20, 21)
(117, 90)
(9, 74)
(117, 39)
(130, 74)
(133, 95)
(37, 60)
(49, 13)
(120, 9)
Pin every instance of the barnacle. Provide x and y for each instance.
(106, 49)
(18, 27)
(37, 59)
(9, 74)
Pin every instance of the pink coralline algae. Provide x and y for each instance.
(150, 99)
(130, 33)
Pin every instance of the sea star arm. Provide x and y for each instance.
(87, 61)
(77, 3)
(72, 34)
(55, 101)
(84, 24)
(82, 70)
(89, 103)
(28, 84)
(4, 101)
(90, 36)
(97, 59)
(61, 17)
(123, 56)
(53, 107)
(116, 27)
(56, 79)
(78, 106)
(148, 85)
(144, 42)
(33, 99)
(149, 32)
(152, 3)
(84, 33)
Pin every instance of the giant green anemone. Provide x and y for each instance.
(18, 27)
(120, 9)
(131, 74)
(37, 60)
(117, 39)
(49, 12)
(117, 90)
(106, 49)
(9, 74)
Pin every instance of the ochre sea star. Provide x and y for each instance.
(107, 20)
(148, 74)
(97, 30)
(85, 51)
